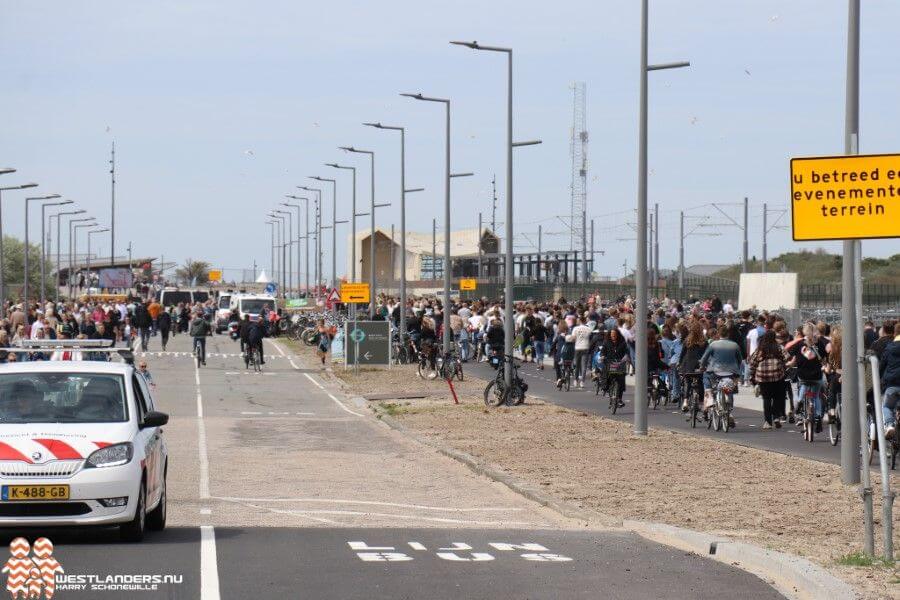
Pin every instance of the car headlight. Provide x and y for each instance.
(111, 456)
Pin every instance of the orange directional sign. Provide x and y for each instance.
(215, 275)
(354, 292)
(845, 197)
(468, 285)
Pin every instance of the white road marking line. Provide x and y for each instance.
(205, 511)
(318, 385)
(368, 503)
(290, 360)
(417, 546)
(278, 511)
(203, 455)
(354, 513)
(250, 412)
(339, 403)
(209, 567)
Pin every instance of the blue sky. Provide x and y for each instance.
(220, 108)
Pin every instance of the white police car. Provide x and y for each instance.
(81, 443)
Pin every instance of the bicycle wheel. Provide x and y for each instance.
(517, 394)
(809, 427)
(715, 418)
(834, 431)
(614, 395)
(422, 369)
(494, 394)
(459, 370)
(694, 412)
(256, 360)
(895, 448)
(197, 354)
(568, 380)
(726, 420)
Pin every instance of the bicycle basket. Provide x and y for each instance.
(617, 368)
(495, 361)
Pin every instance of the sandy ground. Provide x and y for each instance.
(775, 501)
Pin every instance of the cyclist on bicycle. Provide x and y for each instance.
(199, 329)
(252, 335)
(563, 349)
(614, 351)
(722, 358)
(889, 369)
(808, 355)
(428, 342)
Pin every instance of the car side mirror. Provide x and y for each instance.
(154, 419)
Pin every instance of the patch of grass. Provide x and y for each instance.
(391, 408)
(860, 559)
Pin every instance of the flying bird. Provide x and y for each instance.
(249, 152)
(747, 71)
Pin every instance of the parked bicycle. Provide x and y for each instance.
(496, 392)
(450, 366)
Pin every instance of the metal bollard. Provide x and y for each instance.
(887, 503)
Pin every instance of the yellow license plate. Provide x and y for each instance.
(31, 493)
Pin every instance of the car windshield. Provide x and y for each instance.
(254, 306)
(62, 398)
(201, 296)
(224, 301)
(173, 298)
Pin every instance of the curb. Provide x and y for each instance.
(795, 577)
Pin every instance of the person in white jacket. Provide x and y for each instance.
(582, 334)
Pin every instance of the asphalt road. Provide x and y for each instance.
(279, 487)
(749, 431)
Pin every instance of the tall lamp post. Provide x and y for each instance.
(73, 243)
(372, 206)
(334, 224)
(509, 334)
(281, 223)
(24, 186)
(301, 237)
(273, 223)
(89, 234)
(317, 262)
(446, 306)
(25, 271)
(43, 247)
(352, 273)
(403, 192)
(59, 217)
(288, 243)
(640, 366)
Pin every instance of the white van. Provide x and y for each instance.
(223, 311)
(253, 305)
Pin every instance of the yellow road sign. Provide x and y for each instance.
(215, 275)
(468, 285)
(845, 197)
(354, 292)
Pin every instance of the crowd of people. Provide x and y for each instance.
(757, 348)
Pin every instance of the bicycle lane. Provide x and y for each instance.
(787, 440)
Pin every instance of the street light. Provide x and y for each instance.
(446, 305)
(27, 201)
(352, 220)
(281, 219)
(273, 223)
(59, 217)
(317, 263)
(43, 236)
(305, 238)
(89, 234)
(334, 224)
(372, 207)
(2, 272)
(640, 363)
(288, 243)
(73, 243)
(403, 192)
(508, 329)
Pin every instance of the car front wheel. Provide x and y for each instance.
(133, 531)
(156, 518)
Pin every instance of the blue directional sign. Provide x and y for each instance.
(271, 287)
